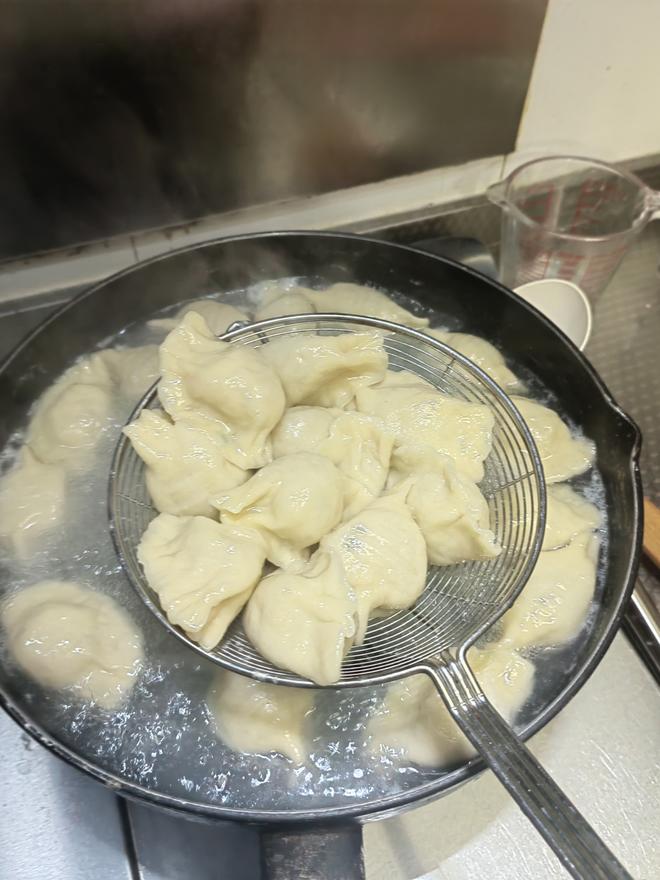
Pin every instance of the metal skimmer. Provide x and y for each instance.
(459, 602)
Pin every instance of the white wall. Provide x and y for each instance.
(595, 88)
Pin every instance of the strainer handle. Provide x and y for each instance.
(564, 829)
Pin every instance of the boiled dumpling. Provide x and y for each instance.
(31, 502)
(555, 600)
(134, 370)
(277, 302)
(256, 718)
(410, 459)
(562, 455)
(218, 316)
(326, 370)
(413, 718)
(67, 636)
(357, 444)
(361, 448)
(186, 465)
(417, 414)
(72, 415)
(203, 572)
(303, 620)
(356, 299)
(453, 516)
(302, 429)
(292, 502)
(482, 353)
(568, 515)
(227, 388)
(383, 555)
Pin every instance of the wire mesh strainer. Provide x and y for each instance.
(459, 602)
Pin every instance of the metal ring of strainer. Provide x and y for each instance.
(459, 602)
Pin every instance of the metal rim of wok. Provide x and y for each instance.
(390, 804)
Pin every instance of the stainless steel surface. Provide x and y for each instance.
(459, 602)
(56, 824)
(602, 749)
(126, 116)
(564, 829)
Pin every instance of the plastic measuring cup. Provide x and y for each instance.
(569, 217)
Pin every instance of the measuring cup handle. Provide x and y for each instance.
(564, 829)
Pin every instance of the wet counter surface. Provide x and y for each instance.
(603, 749)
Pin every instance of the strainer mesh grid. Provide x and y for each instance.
(459, 601)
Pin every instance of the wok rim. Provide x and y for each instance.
(392, 804)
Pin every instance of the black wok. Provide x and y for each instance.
(465, 300)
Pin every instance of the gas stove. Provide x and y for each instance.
(602, 749)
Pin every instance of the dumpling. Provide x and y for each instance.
(32, 498)
(278, 302)
(227, 388)
(303, 620)
(556, 599)
(383, 556)
(186, 466)
(356, 299)
(218, 316)
(203, 572)
(302, 429)
(67, 636)
(72, 416)
(453, 516)
(256, 718)
(357, 444)
(413, 718)
(326, 370)
(562, 455)
(134, 370)
(292, 502)
(482, 353)
(361, 448)
(417, 414)
(568, 515)
(410, 459)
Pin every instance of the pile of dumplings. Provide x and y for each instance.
(307, 485)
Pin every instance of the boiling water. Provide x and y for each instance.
(164, 738)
